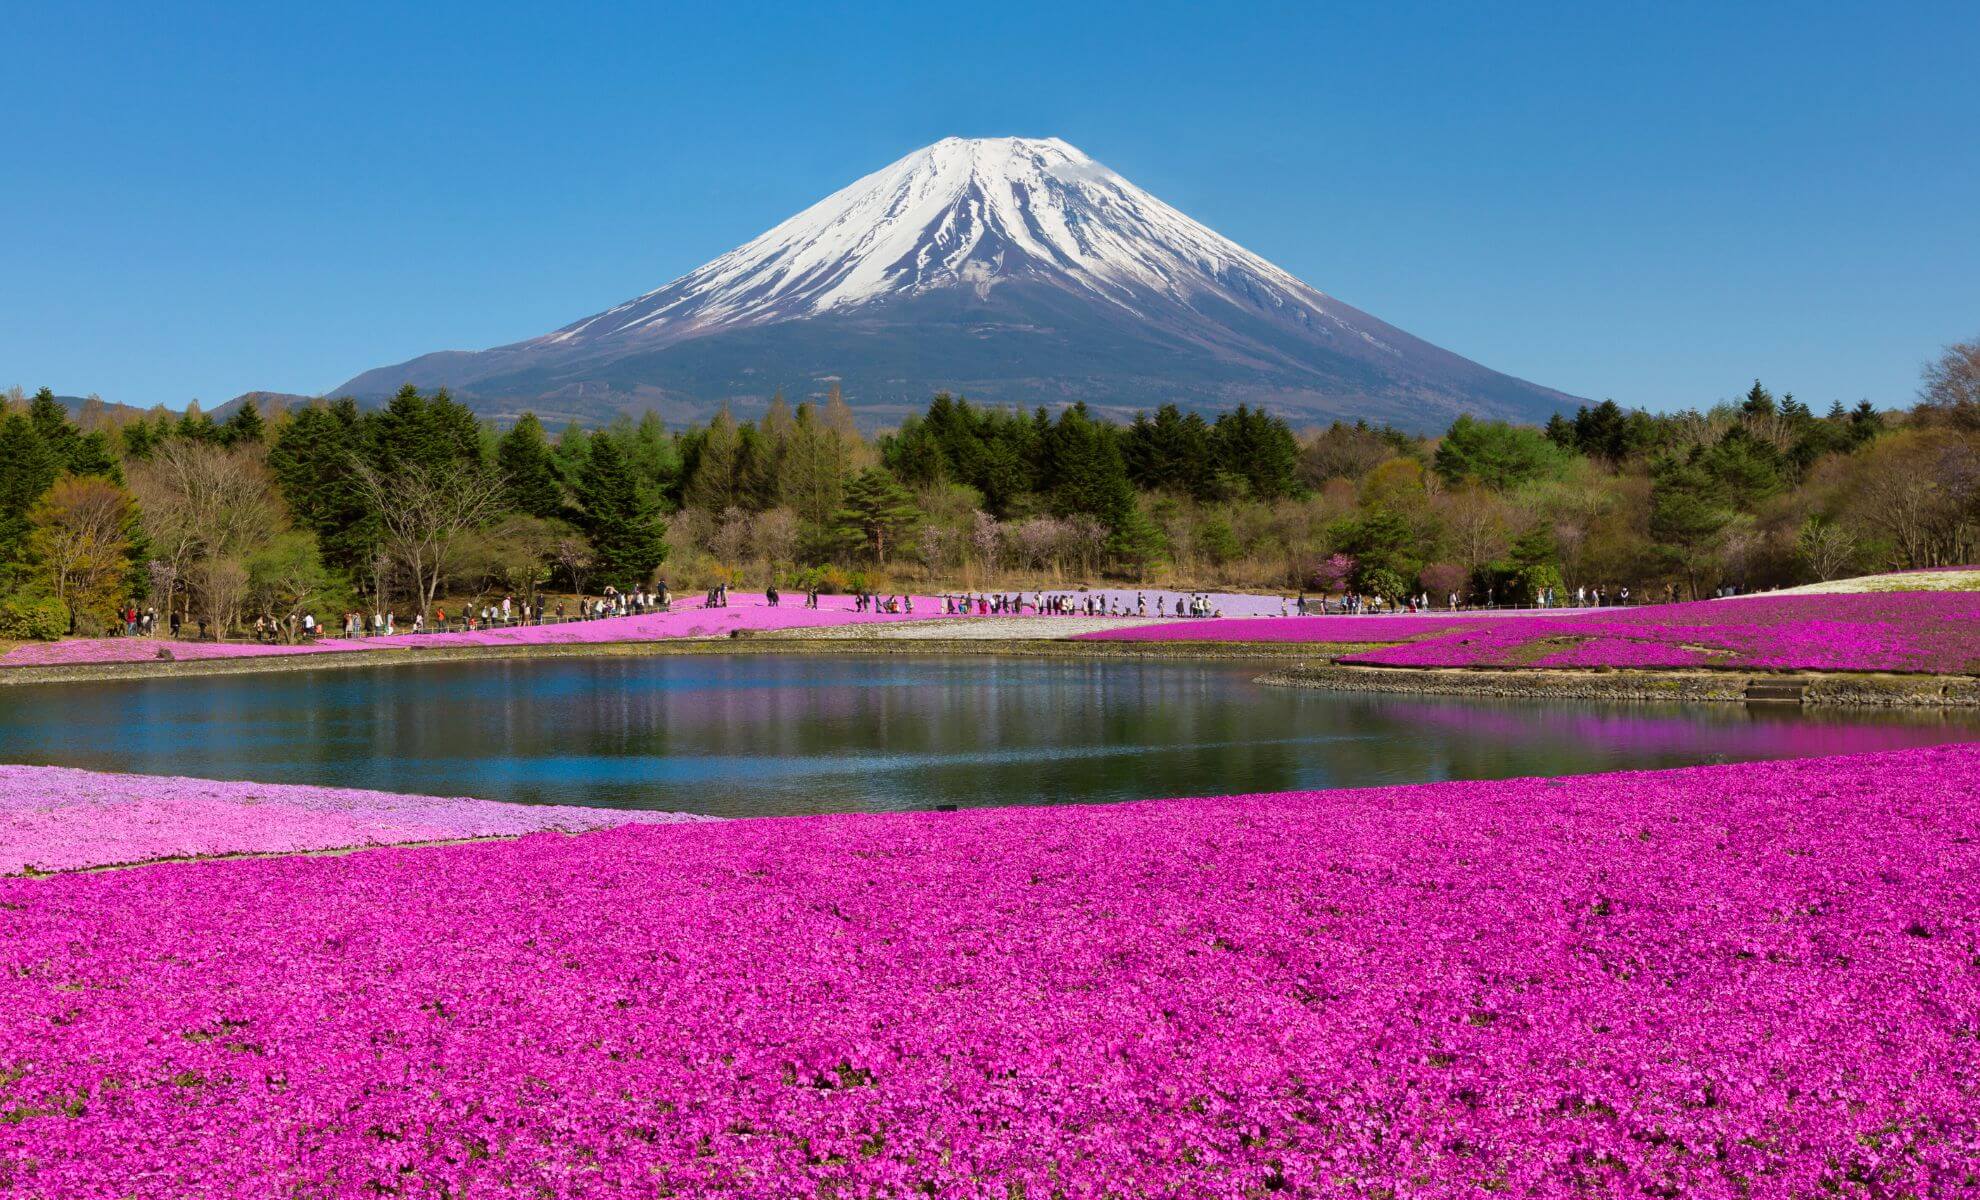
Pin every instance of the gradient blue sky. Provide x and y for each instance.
(1650, 202)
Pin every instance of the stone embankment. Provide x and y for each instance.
(1815, 688)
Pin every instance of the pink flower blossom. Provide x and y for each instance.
(1740, 981)
(1936, 632)
(686, 620)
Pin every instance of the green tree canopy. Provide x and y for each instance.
(245, 427)
(620, 518)
(1258, 449)
(878, 514)
(28, 467)
(1494, 454)
(529, 473)
(1169, 452)
(1081, 470)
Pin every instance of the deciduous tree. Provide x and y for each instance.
(80, 536)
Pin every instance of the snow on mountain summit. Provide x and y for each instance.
(964, 212)
(1011, 270)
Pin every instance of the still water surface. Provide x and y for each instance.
(755, 735)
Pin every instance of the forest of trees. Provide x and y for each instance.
(330, 506)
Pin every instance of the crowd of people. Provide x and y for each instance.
(508, 611)
(1073, 604)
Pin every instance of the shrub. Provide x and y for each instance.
(1380, 581)
(1331, 574)
(1441, 578)
(828, 580)
(34, 616)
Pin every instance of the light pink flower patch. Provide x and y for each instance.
(58, 819)
(1740, 981)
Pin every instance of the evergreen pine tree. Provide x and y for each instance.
(28, 467)
(138, 439)
(776, 423)
(90, 454)
(76, 452)
(878, 513)
(245, 427)
(1082, 471)
(712, 484)
(571, 452)
(1256, 447)
(401, 431)
(655, 459)
(621, 520)
(756, 481)
(1169, 453)
(196, 426)
(1688, 512)
(312, 457)
(455, 432)
(1137, 541)
(529, 475)
(51, 423)
(814, 469)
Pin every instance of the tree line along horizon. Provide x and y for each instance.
(331, 507)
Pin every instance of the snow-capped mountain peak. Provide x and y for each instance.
(964, 212)
(1012, 270)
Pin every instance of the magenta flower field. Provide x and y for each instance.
(76, 651)
(57, 819)
(686, 620)
(1743, 981)
(1936, 632)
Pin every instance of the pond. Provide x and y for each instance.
(762, 734)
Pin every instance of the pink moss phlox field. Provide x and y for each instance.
(59, 819)
(686, 620)
(1935, 632)
(76, 651)
(1739, 981)
(1930, 632)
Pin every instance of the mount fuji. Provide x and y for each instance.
(1010, 270)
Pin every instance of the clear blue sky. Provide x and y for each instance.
(1651, 202)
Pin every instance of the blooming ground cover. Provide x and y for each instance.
(685, 620)
(1755, 980)
(1935, 632)
(58, 819)
(76, 651)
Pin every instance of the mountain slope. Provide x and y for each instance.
(1010, 269)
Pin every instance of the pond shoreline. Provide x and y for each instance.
(1816, 688)
(1307, 665)
(759, 644)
